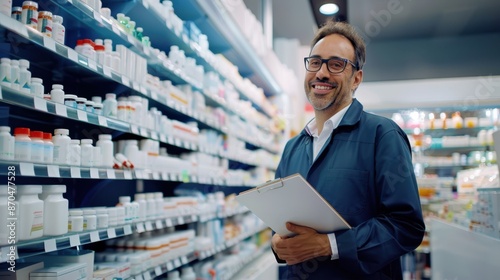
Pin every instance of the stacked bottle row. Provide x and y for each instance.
(38, 146)
(43, 211)
(15, 74)
(146, 251)
(122, 60)
(34, 211)
(129, 64)
(42, 147)
(46, 22)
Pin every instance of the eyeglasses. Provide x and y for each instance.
(334, 65)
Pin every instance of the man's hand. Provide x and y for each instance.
(305, 245)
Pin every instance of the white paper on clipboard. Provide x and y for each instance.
(291, 199)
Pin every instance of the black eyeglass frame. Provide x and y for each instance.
(326, 60)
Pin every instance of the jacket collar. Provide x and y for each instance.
(351, 117)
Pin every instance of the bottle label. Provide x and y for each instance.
(22, 151)
(24, 80)
(58, 33)
(37, 224)
(5, 74)
(30, 16)
(37, 151)
(45, 24)
(48, 153)
(5, 152)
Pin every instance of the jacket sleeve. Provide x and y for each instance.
(398, 227)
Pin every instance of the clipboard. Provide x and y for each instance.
(292, 199)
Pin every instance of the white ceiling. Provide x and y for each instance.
(406, 18)
(433, 52)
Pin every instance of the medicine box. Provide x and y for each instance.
(70, 271)
(21, 270)
(68, 256)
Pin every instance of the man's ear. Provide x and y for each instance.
(358, 78)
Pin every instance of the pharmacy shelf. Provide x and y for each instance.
(164, 268)
(110, 29)
(163, 68)
(261, 265)
(136, 11)
(440, 132)
(39, 170)
(447, 151)
(456, 148)
(24, 249)
(451, 166)
(201, 255)
(178, 262)
(105, 73)
(214, 20)
(17, 98)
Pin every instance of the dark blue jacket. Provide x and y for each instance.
(365, 172)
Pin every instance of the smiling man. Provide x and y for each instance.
(359, 162)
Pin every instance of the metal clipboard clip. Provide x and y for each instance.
(271, 185)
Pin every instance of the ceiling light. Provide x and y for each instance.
(329, 9)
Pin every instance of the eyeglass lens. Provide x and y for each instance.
(333, 64)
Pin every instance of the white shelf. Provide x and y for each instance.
(458, 253)
(263, 267)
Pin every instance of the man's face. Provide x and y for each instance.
(327, 91)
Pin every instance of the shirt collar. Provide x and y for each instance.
(330, 124)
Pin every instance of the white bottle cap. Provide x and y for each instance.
(54, 188)
(104, 136)
(29, 189)
(139, 196)
(98, 105)
(62, 131)
(57, 18)
(88, 211)
(14, 62)
(4, 128)
(110, 95)
(75, 212)
(124, 199)
(5, 60)
(70, 96)
(30, 3)
(36, 80)
(57, 86)
(86, 141)
(75, 141)
(24, 63)
(97, 99)
(101, 210)
(81, 99)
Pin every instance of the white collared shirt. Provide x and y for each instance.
(318, 143)
(328, 127)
